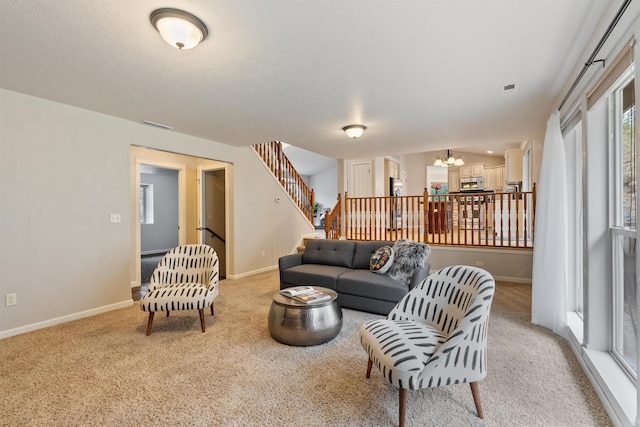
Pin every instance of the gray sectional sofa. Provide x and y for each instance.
(343, 265)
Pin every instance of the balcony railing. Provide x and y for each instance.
(476, 219)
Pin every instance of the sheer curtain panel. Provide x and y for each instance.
(550, 258)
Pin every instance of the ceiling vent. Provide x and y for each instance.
(158, 125)
(508, 89)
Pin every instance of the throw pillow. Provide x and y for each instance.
(381, 260)
(408, 255)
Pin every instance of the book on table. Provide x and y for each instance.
(306, 294)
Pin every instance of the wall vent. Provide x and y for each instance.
(158, 125)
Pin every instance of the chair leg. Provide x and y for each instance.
(476, 399)
(402, 406)
(212, 309)
(201, 311)
(167, 313)
(150, 322)
(369, 365)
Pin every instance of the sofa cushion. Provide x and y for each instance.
(381, 260)
(329, 252)
(314, 275)
(408, 255)
(364, 251)
(370, 285)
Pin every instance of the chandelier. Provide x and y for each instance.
(448, 159)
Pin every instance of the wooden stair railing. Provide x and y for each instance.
(274, 158)
(332, 221)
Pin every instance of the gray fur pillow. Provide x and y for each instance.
(408, 255)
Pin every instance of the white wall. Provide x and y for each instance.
(64, 170)
(325, 187)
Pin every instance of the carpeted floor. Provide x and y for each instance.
(104, 371)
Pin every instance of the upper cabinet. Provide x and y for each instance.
(513, 165)
(472, 171)
(477, 171)
(393, 169)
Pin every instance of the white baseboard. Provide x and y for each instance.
(64, 319)
(251, 273)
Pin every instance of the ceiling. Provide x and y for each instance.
(422, 75)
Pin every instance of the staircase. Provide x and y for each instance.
(274, 158)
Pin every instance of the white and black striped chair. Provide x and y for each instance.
(185, 279)
(436, 335)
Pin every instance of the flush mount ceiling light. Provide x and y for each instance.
(180, 29)
(354, 131)
(448, 159)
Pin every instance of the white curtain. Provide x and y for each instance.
(550, 257)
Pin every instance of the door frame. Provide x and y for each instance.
(208, 166)
(182, 218)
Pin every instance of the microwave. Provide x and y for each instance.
(472, 184)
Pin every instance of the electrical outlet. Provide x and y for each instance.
(115, 218)
(479, 263)
(11, 299)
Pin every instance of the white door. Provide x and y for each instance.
(361, 185)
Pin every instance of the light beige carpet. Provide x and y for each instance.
(104, 371)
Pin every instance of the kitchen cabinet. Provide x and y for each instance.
(453, 180)
(393, 169)
(513, 165)
(498, 178)
(489, 179)
(472, 171)
(477, 171)
(494, 178)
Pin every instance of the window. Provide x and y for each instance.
(623, 227)
(572, 135)
(146, 203)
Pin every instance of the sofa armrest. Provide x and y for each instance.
(419, 274)
(288, 261)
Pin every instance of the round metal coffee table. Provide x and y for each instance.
(296, 323)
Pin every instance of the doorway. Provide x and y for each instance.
(213, 215)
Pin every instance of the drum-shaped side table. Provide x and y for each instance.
(296, 323)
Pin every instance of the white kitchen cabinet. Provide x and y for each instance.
(477, 171)
(472, 171)
(513, 165)
(498, 178)
(489, 178)
(453, 180)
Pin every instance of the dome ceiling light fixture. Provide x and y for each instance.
(354, 131)
(448, 159)
(180, 29)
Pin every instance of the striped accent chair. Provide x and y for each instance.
(436, 335)
(185, 279)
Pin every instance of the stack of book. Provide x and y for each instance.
(306, 294)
